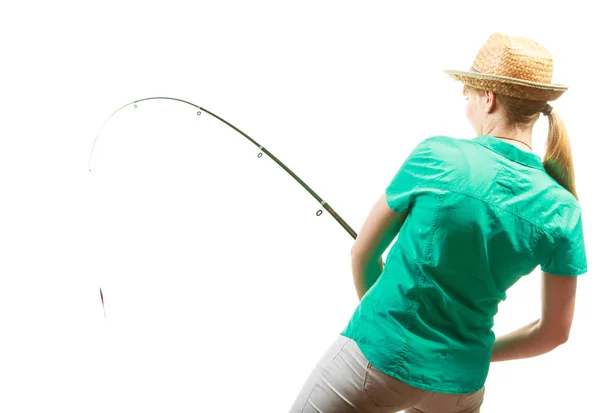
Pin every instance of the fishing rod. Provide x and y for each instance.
(262, 148)
(324, 204)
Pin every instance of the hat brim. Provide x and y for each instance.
(508, 85)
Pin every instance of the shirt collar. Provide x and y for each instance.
(510, 151)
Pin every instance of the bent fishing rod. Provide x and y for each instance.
(262, 148)
(324, 204)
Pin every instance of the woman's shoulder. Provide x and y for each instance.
(444, 146)
(442, 141)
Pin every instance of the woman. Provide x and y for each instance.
(471, 217)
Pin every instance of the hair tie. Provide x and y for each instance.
(547, 109)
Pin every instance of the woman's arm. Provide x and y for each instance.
(378, 231)
(365, 273)
(548, 332)
(525, 342)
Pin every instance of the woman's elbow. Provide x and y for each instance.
(361, 256)
(356, 252)
(556, 336)
(563, 338)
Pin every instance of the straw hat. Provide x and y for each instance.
(513, 66)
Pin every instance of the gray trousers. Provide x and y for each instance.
(344, 381)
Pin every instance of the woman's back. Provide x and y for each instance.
(483, 213)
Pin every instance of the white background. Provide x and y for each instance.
(222, 287)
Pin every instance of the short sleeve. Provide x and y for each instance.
(413, 172)
(568, 258)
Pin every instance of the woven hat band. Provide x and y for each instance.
(509, 89)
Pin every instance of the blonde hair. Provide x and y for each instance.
(558, 159)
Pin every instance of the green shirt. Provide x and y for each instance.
(482, 214)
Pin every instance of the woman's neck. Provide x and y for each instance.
(520, 138)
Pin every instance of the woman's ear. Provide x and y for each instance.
(490, 101)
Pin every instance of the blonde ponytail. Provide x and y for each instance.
(558, 159)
